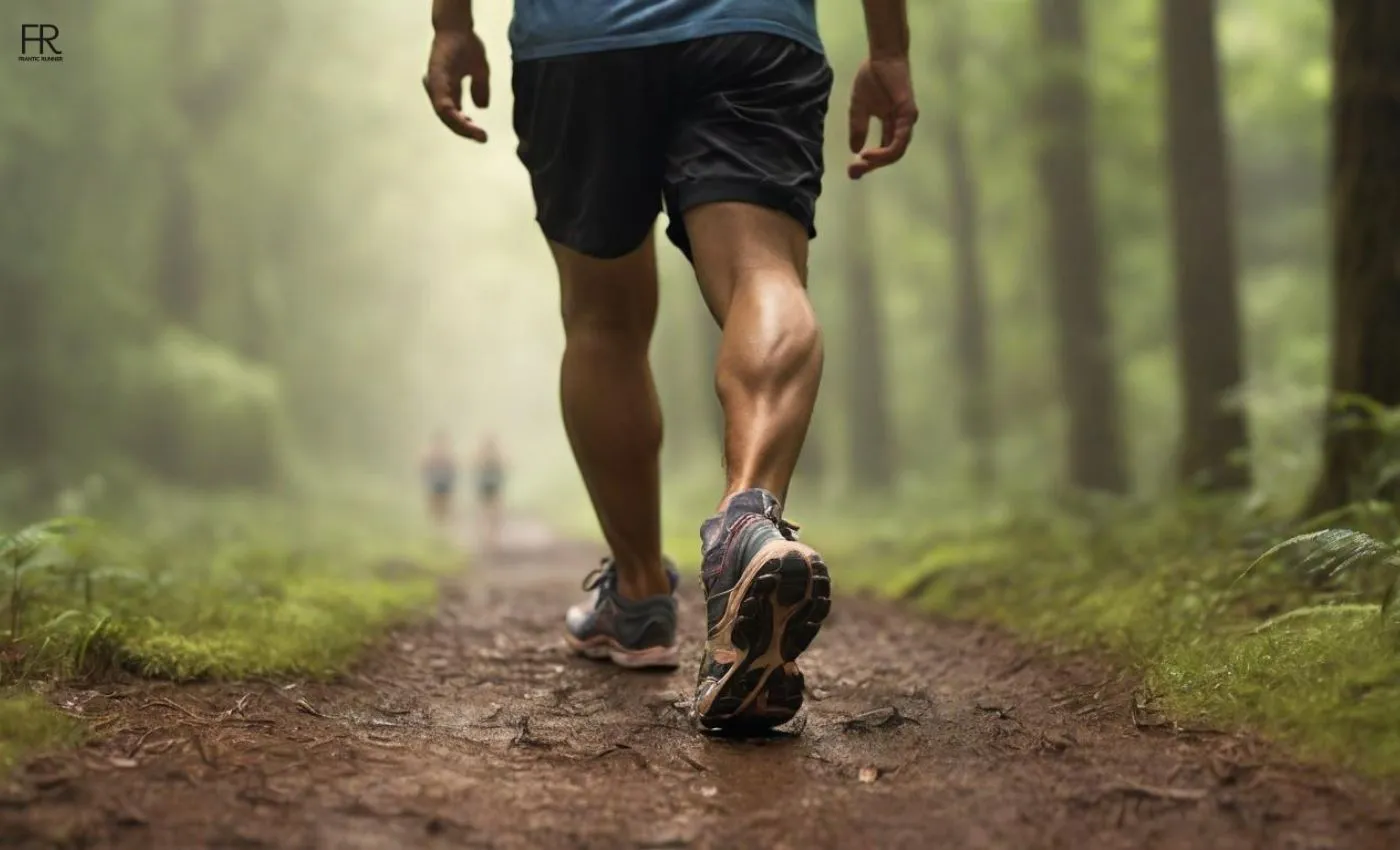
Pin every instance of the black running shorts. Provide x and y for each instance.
(607, 136)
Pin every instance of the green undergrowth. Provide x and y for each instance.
(1294, 645)
(29, 724)
(189, 588)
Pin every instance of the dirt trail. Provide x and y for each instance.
(480, 730)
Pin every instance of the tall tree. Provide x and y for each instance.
(970, 330)
(25, 404)
(207, 97)
(1213, 434)
(1065, 170)
(871, 432)
(1365, 257)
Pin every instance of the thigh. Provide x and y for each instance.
(749, 128)
(590, 135)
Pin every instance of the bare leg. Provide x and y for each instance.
(611, 411)
(752, 266)
(492, 514)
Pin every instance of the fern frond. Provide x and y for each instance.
(1314, 610)
(1334, 550)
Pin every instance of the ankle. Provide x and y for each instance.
(757, 496)
(643, 583)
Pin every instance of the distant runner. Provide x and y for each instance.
(439, 470)
(490, 477)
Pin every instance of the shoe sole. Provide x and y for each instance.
(606, 649)
(775, 612)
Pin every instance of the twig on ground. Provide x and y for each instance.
(1150, 792)
(162, 701)
(140, 742)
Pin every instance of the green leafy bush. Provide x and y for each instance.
(204, 416)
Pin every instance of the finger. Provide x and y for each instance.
(860, 127)
(481, 86)
(899, 135)
(445, 93)
(444, 90)
(858, 168)
(470, 130)
(457, 122)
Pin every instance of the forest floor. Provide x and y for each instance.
(479, 729)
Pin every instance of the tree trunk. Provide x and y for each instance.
(207, 99)
(180, 276)
(1065, 168)
(1214, 438)
(26, 305)
(1365, 224)
(24, 389)
(970, 332)
(871, 434)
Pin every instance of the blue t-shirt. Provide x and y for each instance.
(544, 28)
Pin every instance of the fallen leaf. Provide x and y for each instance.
(307, 707)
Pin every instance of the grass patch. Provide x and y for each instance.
(1295, 648)
(30, 724)
(209, 588)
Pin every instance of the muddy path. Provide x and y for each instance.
(480, 730)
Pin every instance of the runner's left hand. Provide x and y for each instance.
(883, 91)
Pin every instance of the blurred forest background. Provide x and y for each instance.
(238, 252)
(1135, 249)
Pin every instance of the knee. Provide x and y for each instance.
(610, 302)
(603, 317)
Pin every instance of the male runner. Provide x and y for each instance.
(439, 468)
(490, 478)
(716, 108)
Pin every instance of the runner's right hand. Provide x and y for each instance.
(457, 54)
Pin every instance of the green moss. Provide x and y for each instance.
(314, 627)
(1314, 670)
(227, 592)
(29, 724)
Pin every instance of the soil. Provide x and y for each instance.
(479, 729)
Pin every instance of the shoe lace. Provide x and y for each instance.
(786, 528)
(599, 576)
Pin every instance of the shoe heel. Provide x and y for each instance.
(805, 588)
